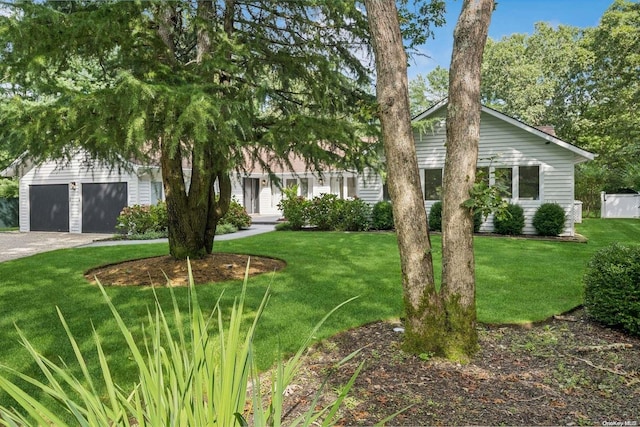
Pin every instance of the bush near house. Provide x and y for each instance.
(294, 207)
(236, 216)
(612, 287)
(143, 219)
(324, 212)
(355, 215)
(382, 216)
(435, 218)
(549, 219)
(151, 221)
(512, 222)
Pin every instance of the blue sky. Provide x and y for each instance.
(510, 16)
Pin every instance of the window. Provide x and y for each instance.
(503, 178)
(304, 188)
(529, 182)
(156, 192)
(432, 184)
(289, 183)
(352, 187)
(336, 185)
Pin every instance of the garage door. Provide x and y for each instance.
(101, 206)
(49, 207)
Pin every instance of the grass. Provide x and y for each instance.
(518, 281)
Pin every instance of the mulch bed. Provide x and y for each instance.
(568, 371)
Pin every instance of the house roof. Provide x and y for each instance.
(582, 155)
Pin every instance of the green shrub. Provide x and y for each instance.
(477, 221)
(141, 219)
(149, 235)
(324, 211)
(354, 215)
(225, 228)
(9, 188)
(511, 222)
(435, 217)
(612, 287)
(283, 226)
(549, 219)
(294, 207)
(382, 216)
(236, 216)
(195, 379)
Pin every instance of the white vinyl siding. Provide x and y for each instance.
(503, 145)
(75, 174)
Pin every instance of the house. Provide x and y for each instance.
(535, 165)
(81, 196)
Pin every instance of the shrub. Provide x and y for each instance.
(324, 211)
(549, 219)
(294, 207)
(435, 217)
(9, 188)
(283, 226)
(225, 228)
(477, 221)
(194, 379)
(612, 287)
(236, 216)
(511, 222)
(382, 216)
(141, 219)
(354, 215)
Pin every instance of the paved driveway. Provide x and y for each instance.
(14, 244)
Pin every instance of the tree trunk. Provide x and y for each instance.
(423, 309)
(193, 214)
(463, 134)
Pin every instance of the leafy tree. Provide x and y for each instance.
(424, 91)
(611, 120)
(582, 81)
(442, 322)
(215, 85)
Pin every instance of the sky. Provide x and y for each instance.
(510, 16)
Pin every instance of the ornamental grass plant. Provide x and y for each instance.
(197, 378)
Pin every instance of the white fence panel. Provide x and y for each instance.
(620, 205)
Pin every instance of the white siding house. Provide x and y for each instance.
(81, 196)
(538, 167)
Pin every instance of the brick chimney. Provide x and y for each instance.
(549, 129)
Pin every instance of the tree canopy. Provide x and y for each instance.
(215, 85)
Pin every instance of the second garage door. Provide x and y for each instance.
(101, 206)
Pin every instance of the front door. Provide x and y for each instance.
(252, 195)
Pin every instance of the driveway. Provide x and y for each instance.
(14, 244)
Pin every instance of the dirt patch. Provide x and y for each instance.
(563, 372)
(215, 268)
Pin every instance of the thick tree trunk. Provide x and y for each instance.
(423, 309)
(463, 134)
(193, 214)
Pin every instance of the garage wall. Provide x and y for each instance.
(73, 174)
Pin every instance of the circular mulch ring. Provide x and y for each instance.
(214, 268)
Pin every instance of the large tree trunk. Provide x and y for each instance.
(423, 309)
(463, 134)
(193, 214)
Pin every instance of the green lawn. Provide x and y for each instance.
(518, 281)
